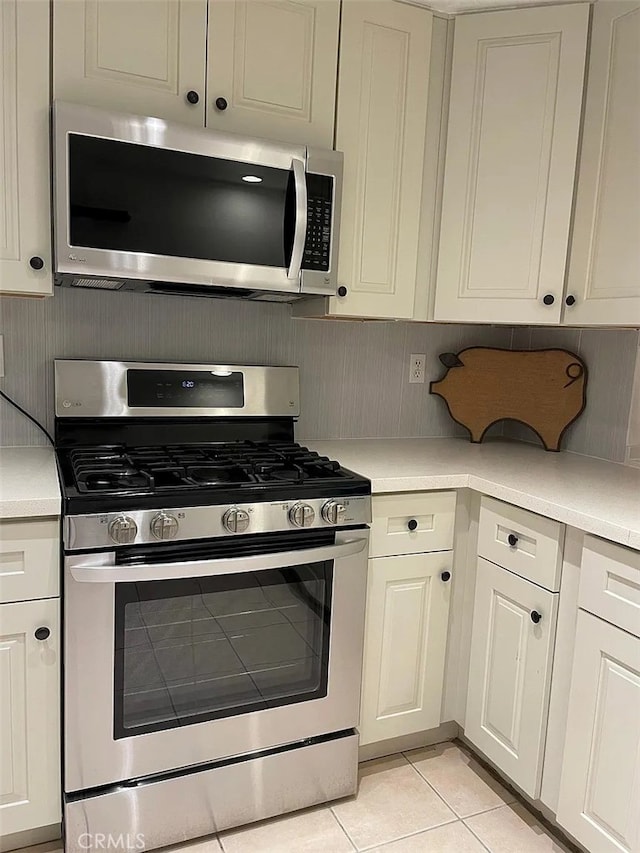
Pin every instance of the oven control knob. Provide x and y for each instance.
(236, 520)
(302, 515)
(333, 512)
(164, 526)
(123, 530)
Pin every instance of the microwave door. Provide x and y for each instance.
(155, 214)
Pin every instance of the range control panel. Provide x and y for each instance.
(317, 247)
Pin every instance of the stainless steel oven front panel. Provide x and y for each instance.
(218, 798)
(155, 132)
(95, 757)
(98, 389)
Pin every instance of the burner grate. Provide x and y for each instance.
(156, 468)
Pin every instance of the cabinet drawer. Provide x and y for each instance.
(412, 522)
(521, 541)
(610, 583)
(29, 559)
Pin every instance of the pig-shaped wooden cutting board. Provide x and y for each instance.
(543, 389)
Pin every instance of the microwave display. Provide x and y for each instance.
(158, 201)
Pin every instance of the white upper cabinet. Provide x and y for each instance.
(272, 67)
(604, 265)
(139, 56)
(381, 118)
(516, 96)
(25, 239)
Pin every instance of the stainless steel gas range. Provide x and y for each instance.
(214, 583)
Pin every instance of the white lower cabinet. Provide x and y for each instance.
(510, 672)
(30, 716)
(405, 644)
(599, 801)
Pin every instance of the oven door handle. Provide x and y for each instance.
(209, 568)
(300, 232)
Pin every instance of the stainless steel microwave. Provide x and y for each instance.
(145, 204)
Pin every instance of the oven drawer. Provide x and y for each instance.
(412, 523)
(527, 544)
(29, 559)
(610, 583)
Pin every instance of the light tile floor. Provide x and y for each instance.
(432, 800)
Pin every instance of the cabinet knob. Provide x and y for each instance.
(221, 104)
(412, 524)
(36, 263)
(570, 300)
(445, 576)
(193, 97)
(512, 539)
(342, 290)
(549, 299)
(42, 633)
(535, 616)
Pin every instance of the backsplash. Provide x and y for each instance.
(353, 375)
(610, 355)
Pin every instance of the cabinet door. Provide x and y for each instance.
(600, 786)
(605, 249)
(510, 673)
(30, 713)
(516, 97)
(274, 63)
(405, 643)
(381, 121)
(137, 56)
(24, 148)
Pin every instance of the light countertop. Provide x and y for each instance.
(598, 497)
(28, 482)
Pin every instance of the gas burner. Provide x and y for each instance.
(213, 475)
(114, 480)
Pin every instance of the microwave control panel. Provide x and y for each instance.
(317, 247)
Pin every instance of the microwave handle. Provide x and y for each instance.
(300, 232)
(209, 568)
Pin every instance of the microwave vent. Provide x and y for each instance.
(98, 283)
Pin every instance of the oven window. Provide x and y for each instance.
(199, 649)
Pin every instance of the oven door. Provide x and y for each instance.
(172, 663)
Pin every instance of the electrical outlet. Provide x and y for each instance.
(416, 368)
(1, 356)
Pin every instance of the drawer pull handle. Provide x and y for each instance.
(512, 540)
(412, 524)
(42, 633)
(536, 617)
(445, 576)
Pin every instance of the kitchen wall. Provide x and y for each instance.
(354, 375)
(610, 356)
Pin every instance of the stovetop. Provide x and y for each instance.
(101, 477)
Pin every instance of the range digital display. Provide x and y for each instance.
(180, 389)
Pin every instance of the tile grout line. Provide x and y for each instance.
(459, 816)
(404, 837)
(337, 820)
(429, 785)
(476, 836)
